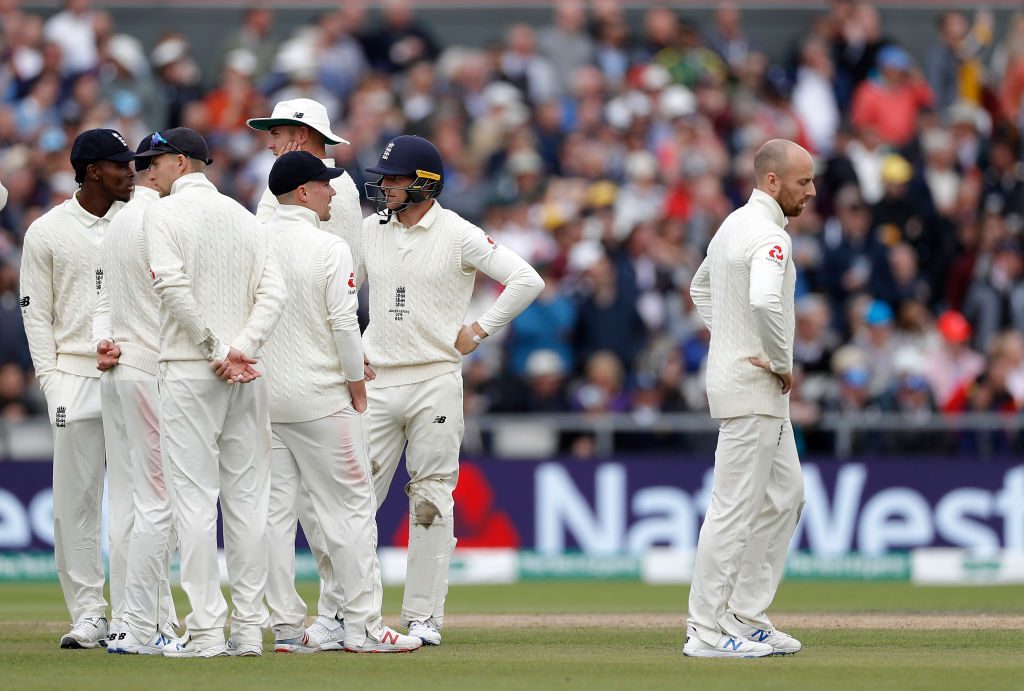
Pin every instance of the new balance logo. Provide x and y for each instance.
(439, 420)
(121, 636)
(61, 418)
(389, 637)
(762, 635)
(298, 116)
(25, 301)
(732, 643)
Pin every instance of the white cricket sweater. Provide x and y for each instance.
(60, 279)
(302, 359)
(421, 281)
(744, 292)
(128, 311)
(346, 219)
(213, 271)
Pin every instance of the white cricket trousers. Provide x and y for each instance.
(326, 459)
(216, 437)
(73, 402)
(756, 499)
(119, 492)
(427, 415)
(131, 415)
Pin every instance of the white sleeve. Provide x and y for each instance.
(700, 291)
(342, 303)
(267, 206)
(37, 304)
(173, 286)
(522, 282)
(3, 196)
(102, 330)
(270, 298)
(767, 258)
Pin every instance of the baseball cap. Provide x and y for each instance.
(142, 162)
(299, 111)
(954, 327)
(297, 168)
(878, 314)
(893, 57)
(179, 140)
(100, 145)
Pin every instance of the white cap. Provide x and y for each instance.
(299, 111)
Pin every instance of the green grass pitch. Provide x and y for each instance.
(641, 651)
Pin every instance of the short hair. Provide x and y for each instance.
(772, 157)
(195, 165)
(81, 167)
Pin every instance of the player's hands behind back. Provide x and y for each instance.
(107, 355)
(237, 368)
(786, 379)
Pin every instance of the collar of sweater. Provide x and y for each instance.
(424, 223)
(79, 213)
(191, 180)
(771, 207)
(292, 213)
(142, 192)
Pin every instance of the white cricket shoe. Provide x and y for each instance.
(169, 629)
(782, 643)
(426, 631)
(86, 633)
(390, 642)
(128, 644)
(245, 649)
(325, 634)
(298, 644)
(115, 628)
(727, 646)
(184, 647)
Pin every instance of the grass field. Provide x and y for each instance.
(587, 636)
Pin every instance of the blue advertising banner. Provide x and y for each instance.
(871, 507)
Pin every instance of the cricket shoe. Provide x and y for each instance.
(112, 634)
(245, 649)
(128, 644)
(184, 647)
(781, 643)
(426, 631)
(86, 633)
(325, 634)
(298, 644)
(727, 646)
(390, 641)
(169, 629)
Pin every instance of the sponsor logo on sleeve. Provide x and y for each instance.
(775, 255)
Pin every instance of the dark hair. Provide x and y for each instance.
(80, 169)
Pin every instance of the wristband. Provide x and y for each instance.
(477, 338)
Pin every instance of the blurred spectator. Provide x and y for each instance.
(856, 40)
(400, 40)
(342, 58)
(179, 77)
(891, 104)
(538, 388)
(15, 402)
(995, 300)
(952, 366)
(602, 388)
(854, 260)
(814, 97)
(235, 99)
(546, 325)
(566, 44)
(608, 318)
(532, 73)
(876, 340)
(726, 36)
(954, 62)
(73, 29)
(813, 340)
(253, 37)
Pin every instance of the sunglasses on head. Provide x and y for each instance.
(158, 138)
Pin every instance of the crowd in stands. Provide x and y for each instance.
(606, 148)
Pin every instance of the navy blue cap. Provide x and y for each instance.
(179, 140)
(410, 156)
(100, 145)
(296, 168)
(145, 145)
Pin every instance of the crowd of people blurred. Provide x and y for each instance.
(606, 147)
